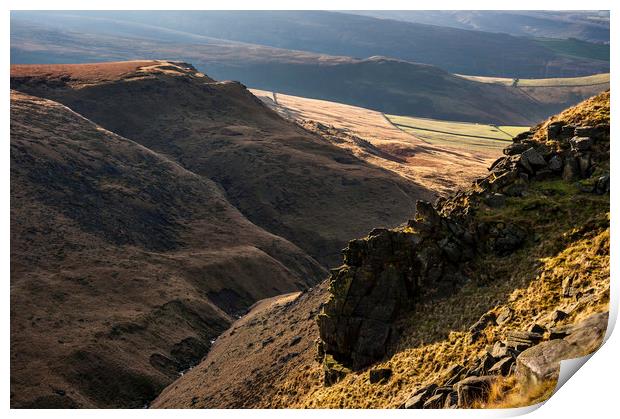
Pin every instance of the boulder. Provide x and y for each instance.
(417, 399)
(533, 158)
(571, 169)
(554, 129)
(502, 366)
(515, 148)
(379, 375)
(584, 131)
(603, 184)
(542, 362)
(504, 315)
(435, 402)
(473, 389)
(580, 143)
(555, 163)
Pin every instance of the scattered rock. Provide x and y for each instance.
(558, 315)
(504, 315)
(473, 389)
(295, 341)
(502, 366)
(435, 402)
(484, 321)
(417, 399)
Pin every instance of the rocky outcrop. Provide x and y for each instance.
(385, 273)
(533, 357)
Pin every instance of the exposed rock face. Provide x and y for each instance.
(382, 276)
(385, 273)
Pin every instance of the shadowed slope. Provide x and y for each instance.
(283, 178)
(124, 265)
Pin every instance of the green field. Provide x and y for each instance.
(593, 80)
(457, 134)
(576, 48)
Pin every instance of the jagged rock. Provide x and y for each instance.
(558, 315)
(532, 160)
(560, 332)
(522, 136)
(554, 129)
(555, 163)
(484, 321)
(516, 148)
(567, 131)
(542, 362)
(483, 366)
(537, 329)
(502, 366)
(452, 399)
(473, 389)
(379, 375)
(584, 131)
(504, 315)
(567, 289)
(580, 143)
(417, 399)
(499, 350)
(434, 402)
(519, 187)
(455, 373)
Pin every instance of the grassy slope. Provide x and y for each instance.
(570, 236)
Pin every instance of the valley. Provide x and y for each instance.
(306, 209)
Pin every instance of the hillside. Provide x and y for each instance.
(370, 137)
(389, 85)
(471, 304)
(562, 24)
(124, 265)
(455, 50)
(281, 177)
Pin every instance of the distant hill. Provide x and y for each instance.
(584, 25)
(383, 84)
(455, 50)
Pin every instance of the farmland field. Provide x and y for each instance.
(594, 80)
(457, 134)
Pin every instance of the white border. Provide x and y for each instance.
(592, 393)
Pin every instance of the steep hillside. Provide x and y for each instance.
(283, 178)
(386, 85)
(471, 304)
(455, 50)
(124, 265)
